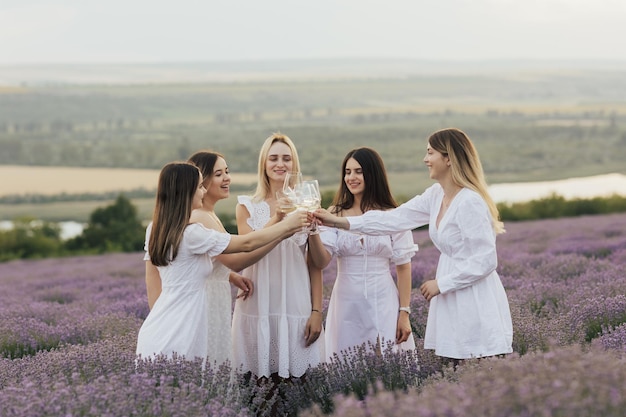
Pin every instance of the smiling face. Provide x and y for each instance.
(438, 164)
(353, 177)
(218, 185)
(279, 162)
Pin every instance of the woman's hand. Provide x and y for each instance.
(429, 289)
(403, 329)
(279, 207)
(245, 285)
(325, 218)
(313, 328)
(298, 221)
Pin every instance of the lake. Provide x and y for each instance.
(584, 187)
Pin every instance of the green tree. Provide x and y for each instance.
(30, 238)
(115, 228)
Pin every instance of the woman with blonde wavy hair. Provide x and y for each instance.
(469, 315)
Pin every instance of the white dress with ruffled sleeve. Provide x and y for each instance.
(268, 328)
(192, 315)
(364, 302)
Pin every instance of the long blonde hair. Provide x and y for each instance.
(467, 171)
(178, 183)
(263, 181)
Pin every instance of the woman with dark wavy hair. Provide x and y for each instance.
(366, 306)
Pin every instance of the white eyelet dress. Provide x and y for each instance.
(268, 328)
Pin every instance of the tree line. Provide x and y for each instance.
(118, 228)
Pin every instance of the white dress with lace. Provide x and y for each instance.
(364, 303)
(268, 328)
(192, 315)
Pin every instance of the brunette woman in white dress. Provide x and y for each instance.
(180, 253)
(277, 333)
(366, 306)
(469, 315)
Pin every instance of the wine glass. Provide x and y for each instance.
(293, 181)
(311, 199)
(285, 204)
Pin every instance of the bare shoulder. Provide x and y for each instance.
(241, 211)
(202, 217)
(197, 216)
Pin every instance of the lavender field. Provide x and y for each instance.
(68, 329)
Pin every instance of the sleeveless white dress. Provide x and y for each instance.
(268, 328)
(364, 302)
(192, 315)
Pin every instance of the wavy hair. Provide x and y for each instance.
(467, 170)
(377, 194)
(178, 182)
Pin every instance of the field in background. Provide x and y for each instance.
(75, 180)
(531, 121)
(404, 186)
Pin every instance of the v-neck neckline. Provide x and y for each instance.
(439, 221)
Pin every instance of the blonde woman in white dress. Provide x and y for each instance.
(277, 333)
(366, 305)
(469, 315)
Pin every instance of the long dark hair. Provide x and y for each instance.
(205, 161)
(178, 183)
(376, 195)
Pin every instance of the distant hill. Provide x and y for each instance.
(241, 71)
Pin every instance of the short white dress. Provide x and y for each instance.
(192, 315)
(364, 302)
(471, 317)
(268, 328)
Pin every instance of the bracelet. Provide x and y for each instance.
(314, 309)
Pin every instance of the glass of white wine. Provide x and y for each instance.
(285, 204)
(293, 182)
(311, 200)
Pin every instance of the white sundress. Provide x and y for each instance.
(192, 315)
(364, 302)
(268, 328)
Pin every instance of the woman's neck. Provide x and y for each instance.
(355, 208)
(274, 188)
(208, 206)
(448, 184)
(450, 189)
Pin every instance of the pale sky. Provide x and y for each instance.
(137, 31)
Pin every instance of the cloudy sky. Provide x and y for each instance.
(114, 31)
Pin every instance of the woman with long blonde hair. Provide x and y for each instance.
(469, 315)
(277, 332)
